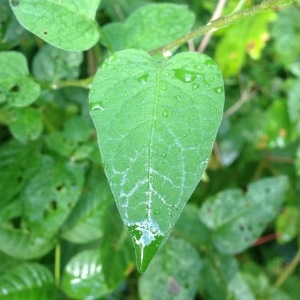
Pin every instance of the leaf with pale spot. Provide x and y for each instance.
(156, 125)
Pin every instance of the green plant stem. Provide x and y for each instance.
(57, 264)
(221, 23)
(288, 270)
(85, 83)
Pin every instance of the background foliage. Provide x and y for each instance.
(61, 235)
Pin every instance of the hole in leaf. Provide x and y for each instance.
(45, 32)
(241, 227)
(15, 88)
(16, 222)
(15, 2)
(52, 206)
(59, 187)
(71, 205)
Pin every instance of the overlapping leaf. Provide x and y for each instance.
(149, 27)
(69, 25)
(156, 125)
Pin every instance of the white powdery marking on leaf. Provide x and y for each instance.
(148, 230)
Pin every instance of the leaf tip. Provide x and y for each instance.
(147, 238)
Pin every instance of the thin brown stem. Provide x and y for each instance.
(221, 23)
(217, 13)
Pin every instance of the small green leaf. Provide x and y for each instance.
(26, 124)
(169, 276)
(286, 32)
(288, 224)
(86, 220)
(18, 163)
(237, 220)
(69, 25)
(11, 32)
(23, 245)
(50, 195)
(150, 26)
(190, 227)
(28, 281)
(83, 277)
(116, 248)
(52, 64)
(16, 87)
(156, 126)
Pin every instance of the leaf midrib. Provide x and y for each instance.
(154, 120)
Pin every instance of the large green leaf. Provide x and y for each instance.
(83, 277)
(237, 219)
(150, 26)
(16, 87)
(156, 125)
(68, 24)
(169, 276)
(28, 281)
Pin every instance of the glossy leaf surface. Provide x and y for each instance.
(156, 125)
(28, 281)
(83, 277)
(67, 24)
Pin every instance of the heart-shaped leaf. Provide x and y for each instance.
(149, 27)
(156, 125)
(237, 219)
(68, 24)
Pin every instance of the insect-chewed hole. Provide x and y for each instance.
(15, 88)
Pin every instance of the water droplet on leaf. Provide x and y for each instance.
(165, 113)
(184, 75)
(219, 89)
(143, 79)
(96, 106)
(195, 86)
